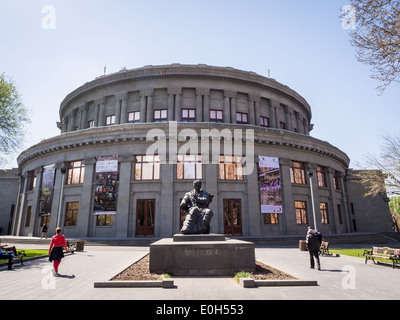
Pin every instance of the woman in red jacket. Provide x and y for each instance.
(56, 250)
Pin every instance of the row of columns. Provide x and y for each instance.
(174, 107)
(251, 217)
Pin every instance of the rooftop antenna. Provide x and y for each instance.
(105, 69)
(269, 73)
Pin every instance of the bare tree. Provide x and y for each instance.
(376, 38)
(386, 164)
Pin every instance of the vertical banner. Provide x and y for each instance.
(105, 199)
(270, 185)
(46, 190)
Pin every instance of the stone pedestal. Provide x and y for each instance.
(201, 255)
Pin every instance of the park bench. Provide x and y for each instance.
(384, 253)
(325, 248)
(18, 255)
(71, 247)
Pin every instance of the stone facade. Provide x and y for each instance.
(113, 116)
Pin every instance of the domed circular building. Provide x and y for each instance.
(133, 142)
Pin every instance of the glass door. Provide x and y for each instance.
(232, 217)
(145, 218)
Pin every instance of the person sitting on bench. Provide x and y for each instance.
(7, 255)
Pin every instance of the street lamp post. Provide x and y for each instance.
(310, 175)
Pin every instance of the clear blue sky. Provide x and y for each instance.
(302, 42)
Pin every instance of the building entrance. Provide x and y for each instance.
(145, 218)
(232, 217)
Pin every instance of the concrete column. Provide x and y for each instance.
(199, 108)
(305, 126)
(257, 112)
(123, 203)
(150, 109)
(255, 218)
(272, 113)
(167, 196)
(206, 108)
(171, 112)
(85, 214)
(35, 217)
(300, 128)
(117, 111)
(287, 119)
(288, 218)
(102, 115)
(19, 211)
(227, 110)
(96, 114)
(65, 124)
(143, 111)
(178, 112)
(211, 185)
(251, 116)
(84, 121)
(332, 209)
(233, 109)
(71, 122)
(58, 207)
(124, 108)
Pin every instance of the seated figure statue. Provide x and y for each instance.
(195, 204)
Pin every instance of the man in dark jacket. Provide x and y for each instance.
(313, 245)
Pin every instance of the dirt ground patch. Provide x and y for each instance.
(140, 271)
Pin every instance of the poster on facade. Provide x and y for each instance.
(105, 198)
(270, 185)
(46, 190)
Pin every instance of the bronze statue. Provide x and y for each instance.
(198, 217)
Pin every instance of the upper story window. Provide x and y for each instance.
(161, 115)
(301, 212)
(264, 122)
(336, 181)
(216, 116)
(134, 117)
(147, 167)
(282, 125)
(110, 120)
(321, 178)
(298, 172)
(31, 176)
(188, 115)
(75, 173)
(230, 168)
(189, 167)
(241, 118)
(90, 124)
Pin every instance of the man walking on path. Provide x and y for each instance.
(313, 245)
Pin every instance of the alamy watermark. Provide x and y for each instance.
(49, 20)
(166, 143)
(349, 281)
(349, 17)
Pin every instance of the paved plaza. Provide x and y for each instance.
(343, 278)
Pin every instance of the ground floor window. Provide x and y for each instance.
(71, 214)
(271, 218)
(45, 220)
(145, 216)
(323, 208)
(301, 212)
(104, 220)
(28, 217)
